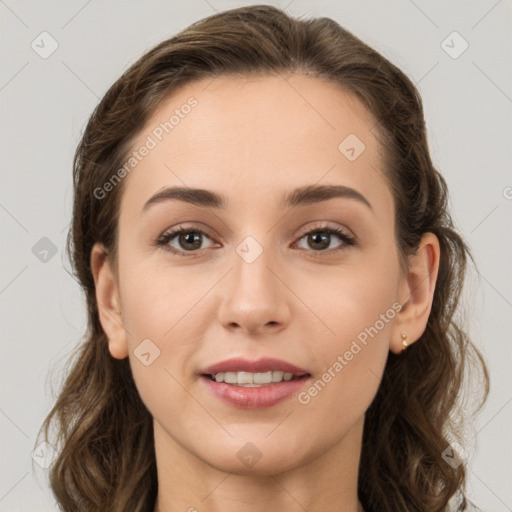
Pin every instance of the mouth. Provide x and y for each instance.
(260, 384)
(254, 379)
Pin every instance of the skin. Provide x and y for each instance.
(252, 140)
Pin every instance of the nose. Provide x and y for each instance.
(256, 300)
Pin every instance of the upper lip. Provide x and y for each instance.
(265, 364)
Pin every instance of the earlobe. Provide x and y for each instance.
(416, 294)
(107, 298)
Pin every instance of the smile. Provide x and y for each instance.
(250, 379)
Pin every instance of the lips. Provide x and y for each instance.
(257, 396)
(260, 366)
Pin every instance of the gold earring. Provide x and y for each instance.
(404, 343)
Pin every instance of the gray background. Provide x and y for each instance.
(46, 102)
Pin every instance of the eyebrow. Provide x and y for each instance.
(301, 196)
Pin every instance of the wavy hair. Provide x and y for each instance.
(102, 430)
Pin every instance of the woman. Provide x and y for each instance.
(271, 276)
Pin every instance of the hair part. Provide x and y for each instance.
(106, 458)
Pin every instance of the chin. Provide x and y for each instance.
(258, 458)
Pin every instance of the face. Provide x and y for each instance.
(314, 283)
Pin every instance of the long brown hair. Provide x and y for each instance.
(103, 431)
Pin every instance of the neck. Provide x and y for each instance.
(327, 481)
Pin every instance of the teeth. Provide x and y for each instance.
(249, 379)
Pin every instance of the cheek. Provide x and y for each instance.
(350, 300)
(162, 320)
(154, 298)
(357, 309)
(352, 363)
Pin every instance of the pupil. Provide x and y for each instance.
(189, 238)
(325, 237)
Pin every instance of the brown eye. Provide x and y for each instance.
(320, 239)
(189, 241)
(184, 240)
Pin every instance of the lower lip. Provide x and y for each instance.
(257, 397)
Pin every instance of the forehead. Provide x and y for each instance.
(256, 136)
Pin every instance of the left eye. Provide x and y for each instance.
(322, 238)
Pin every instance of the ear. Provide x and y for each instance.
(107, 298)
(416, 293)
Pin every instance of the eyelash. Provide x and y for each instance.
(164, 239)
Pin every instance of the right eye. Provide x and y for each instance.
(188, 238)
